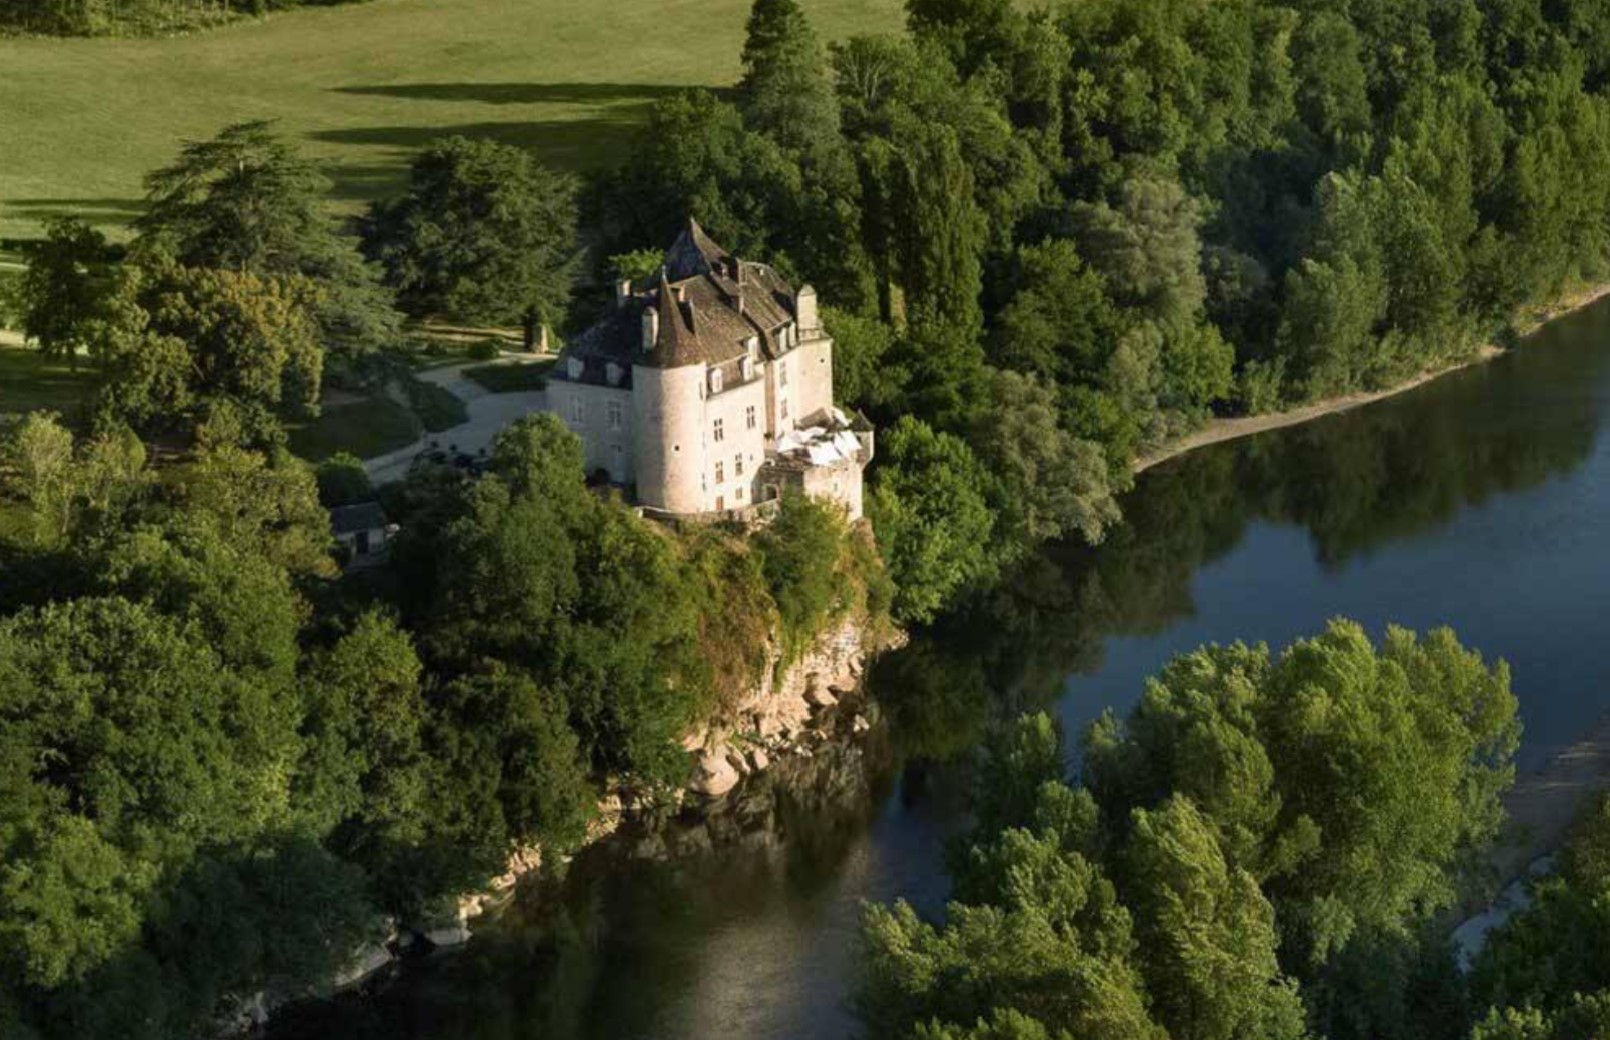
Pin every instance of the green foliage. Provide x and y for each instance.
(69, 491)
(1427, 730)
(636, 264)
(931, 511)
(785, 91)
(1049, 483)
(865, 375)
(65, 287)
(485, 235)
(139, 18)
(1257, 822)
(505, 737)
(162, 749)
(1549, 953)
(342, 481)
(246, 202)
(800, 554)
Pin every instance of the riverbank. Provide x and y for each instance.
(1217, 431)
(1542, 804)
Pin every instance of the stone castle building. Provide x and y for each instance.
(709, 391)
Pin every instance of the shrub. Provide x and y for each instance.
(343, 481)
(800, 554)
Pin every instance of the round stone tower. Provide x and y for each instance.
(670, 437)
(668, 401)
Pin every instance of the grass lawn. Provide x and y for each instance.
(29, 381)
(367, 428)
(511, 377)
(362, 86)
(438, 409)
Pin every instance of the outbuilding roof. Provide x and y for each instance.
(360, 516)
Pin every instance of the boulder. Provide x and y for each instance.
(820, 697)
(451, 935)
(714, 776)
(369, 958)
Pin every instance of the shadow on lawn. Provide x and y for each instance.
(582, 144)
(522, 93)
(99, 212)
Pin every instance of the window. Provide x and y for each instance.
(782, 373)
(783, 407)
(721, 475)
(720, 433)
(749, 418)
(574, 368)
(613, 373)
(715, 380)
(737, 465)
(614, 415)
(578, 409)
(739, 495)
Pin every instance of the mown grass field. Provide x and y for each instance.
(365, 428)
(511, 377)
(363, 87)
(29, 381)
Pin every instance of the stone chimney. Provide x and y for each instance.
(651, 328)
(810, 322)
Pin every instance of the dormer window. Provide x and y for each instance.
(747, 368)
(715, 380)
(574, 368)
(613, 374)
(752, 345)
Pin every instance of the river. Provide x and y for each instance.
(1480, 501)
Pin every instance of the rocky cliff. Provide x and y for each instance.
(789, 709)
(795, 711)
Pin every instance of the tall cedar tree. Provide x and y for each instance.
(246, 201)
(485, 235)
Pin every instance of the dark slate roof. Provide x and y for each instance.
(709, 304)
(361, 516)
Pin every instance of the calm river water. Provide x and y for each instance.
(1481, 501)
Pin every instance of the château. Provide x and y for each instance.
(707, 391)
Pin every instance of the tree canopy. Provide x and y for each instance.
(485, 235)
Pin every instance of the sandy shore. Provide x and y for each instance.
(1219, 430)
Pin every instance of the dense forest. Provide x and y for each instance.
(1052, 239)
(219, 766)
(1058, 236)
(132, 17)
(1264, 848)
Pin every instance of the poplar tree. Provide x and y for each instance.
(785, 91)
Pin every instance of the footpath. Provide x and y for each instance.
(488, 413)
